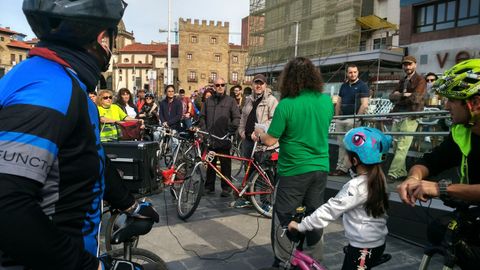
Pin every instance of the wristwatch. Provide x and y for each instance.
(442, 188)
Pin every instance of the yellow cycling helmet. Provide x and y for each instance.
(461, 81)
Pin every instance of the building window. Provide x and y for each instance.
(213, 40)
(125, 60)
(446, 14)
(12, 57)
(20, 58)
(213, 76)
(234, 77)
(235, 59)
(193, 39)
(119, 71)
(2, 38)
(379, 43)
(189, 56)
(120, 78)
(217, 57)
(468, 12)
(192, 76)
(363, 46)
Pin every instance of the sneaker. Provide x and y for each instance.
(241, 203)
(225, 193)
(267, 207)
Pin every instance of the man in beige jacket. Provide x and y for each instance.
(258, 109)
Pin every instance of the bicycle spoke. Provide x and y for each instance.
(263, 199)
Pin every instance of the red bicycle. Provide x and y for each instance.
(256, 183)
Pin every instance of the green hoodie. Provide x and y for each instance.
(462, 137)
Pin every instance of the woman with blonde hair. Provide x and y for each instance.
(109, 114)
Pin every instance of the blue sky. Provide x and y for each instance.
(146, 17)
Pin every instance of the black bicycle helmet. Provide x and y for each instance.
(76, 22)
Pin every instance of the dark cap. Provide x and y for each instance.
(409, 59)
(260, 77)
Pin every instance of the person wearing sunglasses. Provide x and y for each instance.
(430, 78)
(220, 116)
(109, 114)
(149, 111)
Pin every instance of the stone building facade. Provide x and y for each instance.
(13, 49)
(203, 53)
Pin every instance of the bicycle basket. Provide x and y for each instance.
(129, 130)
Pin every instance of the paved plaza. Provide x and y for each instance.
(217, 236)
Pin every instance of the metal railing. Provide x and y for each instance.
(387, 118)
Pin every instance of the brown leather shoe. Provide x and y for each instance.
(337, 173)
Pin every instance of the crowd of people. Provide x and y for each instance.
(54, 173)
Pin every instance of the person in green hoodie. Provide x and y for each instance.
(461, 86)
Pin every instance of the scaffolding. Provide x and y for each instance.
(313, 28)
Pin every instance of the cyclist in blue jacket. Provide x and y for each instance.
(51, 161)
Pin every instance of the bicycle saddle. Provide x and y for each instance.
(133, 227)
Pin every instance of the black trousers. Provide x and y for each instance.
(361, 258)
(291, 192)
(226, 170)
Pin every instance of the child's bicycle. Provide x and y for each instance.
(461, 226)
(256, 183)
(299, 260)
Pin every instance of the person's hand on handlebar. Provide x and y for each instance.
(293, 226)
(143, 210)
(165, 124)
(407, 189)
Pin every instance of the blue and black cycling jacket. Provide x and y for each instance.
(51, 169)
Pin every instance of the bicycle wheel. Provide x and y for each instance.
(113, 224)
(190, 193)
(142, 257)
(262, 202)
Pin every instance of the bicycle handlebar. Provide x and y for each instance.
(214, 136)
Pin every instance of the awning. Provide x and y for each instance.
(373, 22)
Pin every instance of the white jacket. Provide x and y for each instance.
(361, 230)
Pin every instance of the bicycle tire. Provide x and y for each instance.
(258, 184)
(113, 224)
(141, 256)
(190, 193)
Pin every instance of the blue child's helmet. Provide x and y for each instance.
(370, 144)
